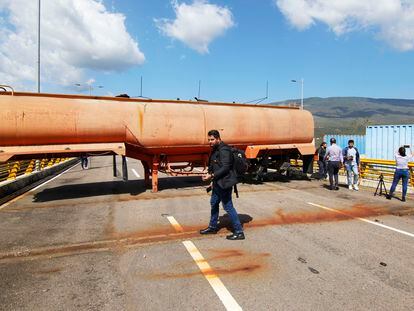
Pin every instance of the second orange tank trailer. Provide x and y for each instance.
(161, 133)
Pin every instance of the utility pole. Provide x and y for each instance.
(38, 50)
(301, 97)
(301, 102)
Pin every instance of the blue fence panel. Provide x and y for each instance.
(382, 141)
(342, 141)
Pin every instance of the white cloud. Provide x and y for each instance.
(76, 35)
(390, 20)
(197, 24)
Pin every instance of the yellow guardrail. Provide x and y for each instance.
(11, 170)
(371, 169)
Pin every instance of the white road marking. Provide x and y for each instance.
(226, 298)
(37, 187)
(175, 224)
(135, 173)
(364, 220)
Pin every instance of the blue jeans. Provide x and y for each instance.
(404, 175)
(352, 171)
(223, 195)
(323, 170)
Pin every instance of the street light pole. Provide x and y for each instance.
(301, 102)
(90, 87)
(301, 97)
(38, 50)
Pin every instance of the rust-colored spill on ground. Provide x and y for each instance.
(198, 191)
(226, 253)
(124, 240)
(319, 215)
(223, 262)
(49, 271)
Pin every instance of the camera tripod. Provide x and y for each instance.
(381, 186)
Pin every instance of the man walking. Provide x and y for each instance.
(323, 172)
(335, 159)
(351, 160)
(223, 179)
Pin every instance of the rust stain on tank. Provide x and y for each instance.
(140, 119)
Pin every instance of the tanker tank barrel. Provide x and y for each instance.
(156, 132)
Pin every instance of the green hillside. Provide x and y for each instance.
(350, 115)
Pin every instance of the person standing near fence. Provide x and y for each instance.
(323, 171)
(402, 157)
(335, 159)
(351, 161)
(84, 162)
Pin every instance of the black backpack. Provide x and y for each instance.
(240, 164)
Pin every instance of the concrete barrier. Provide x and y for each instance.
(13, 188)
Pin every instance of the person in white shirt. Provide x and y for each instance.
(335, 159)
(401, 172)
(352, 162)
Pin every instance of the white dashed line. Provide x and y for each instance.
(135, 173)
(364, 220)
(226, 298)
(175, 224)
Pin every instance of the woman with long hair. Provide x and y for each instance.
(401, 172)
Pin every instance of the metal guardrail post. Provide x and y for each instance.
(14, 170)
(11, 170)
(30, 167)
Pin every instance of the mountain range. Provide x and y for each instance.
(351, 115)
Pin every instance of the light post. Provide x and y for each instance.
(301, 100)
(90, 87)
(38, 49)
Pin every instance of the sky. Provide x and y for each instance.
(234, 47)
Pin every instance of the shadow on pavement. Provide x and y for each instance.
(224, 221)
(277, 177)
(136, 187)
(95, 189)
(92, 189)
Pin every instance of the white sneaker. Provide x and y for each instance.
(356, 187)
(350, 187)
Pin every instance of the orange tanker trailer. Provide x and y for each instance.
(157, 132)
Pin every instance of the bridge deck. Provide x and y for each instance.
(87, 240)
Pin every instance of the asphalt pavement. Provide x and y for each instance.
(89, 241)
